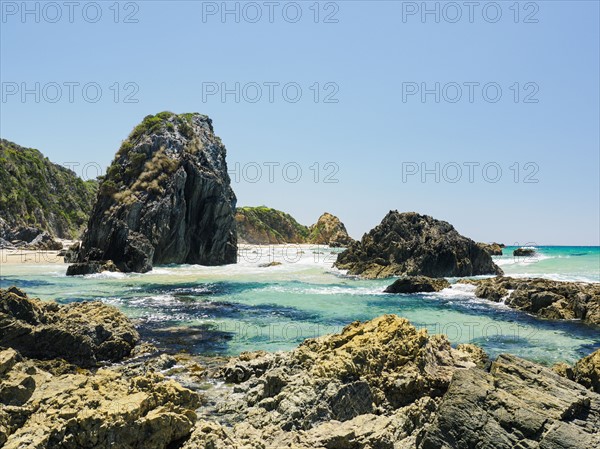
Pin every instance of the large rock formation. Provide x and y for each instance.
(557, 300)
(83, 333)
(166, 198)
(329, 230)
(37, 193)
(265, 226)
(411, 244)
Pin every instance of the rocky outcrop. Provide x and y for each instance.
(84, 333)
(51, 404)
(522, 252)
(493, 249)
(546, 298)
(373, 385)
(516, 404)
(329, 230)
(265, 226)
(27, 238)
(37, 193)
(417, 284)
(82, 409)
(166, 198)
(587, 371)
(409, 244)
(383, 384)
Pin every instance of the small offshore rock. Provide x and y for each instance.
(417, 284)
(524, 252)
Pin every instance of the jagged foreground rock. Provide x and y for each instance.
(82, 333)
(516, 404)
(80, 409)
(372, 386)
(385, 385)
(410, 244)
(543, 297)
(166, 198)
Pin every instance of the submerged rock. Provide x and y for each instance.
(166, 198)
(417, 284)
(83, 333)
(329, 230)
(546, 298)
(409, 244)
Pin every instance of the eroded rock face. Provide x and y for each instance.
(81, 409)
(372, 386)
(329, 230)
(516, 404)
(83, 333)
(417, 284)
(493, 249)
(544, 297)
(587, 371)
(409, 244)
(166, 198)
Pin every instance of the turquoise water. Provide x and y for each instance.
(242, 307)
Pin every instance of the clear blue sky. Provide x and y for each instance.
(371, 56)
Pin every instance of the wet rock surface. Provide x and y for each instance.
(417, 284)
(410, 244)
(543, 297)
(166, 199)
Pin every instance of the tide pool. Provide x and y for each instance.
(243, 307)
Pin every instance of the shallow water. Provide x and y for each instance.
(242, 307)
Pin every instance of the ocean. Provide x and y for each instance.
(230, 309)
